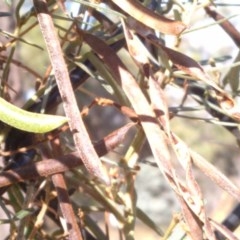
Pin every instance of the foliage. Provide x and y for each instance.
(113, 53)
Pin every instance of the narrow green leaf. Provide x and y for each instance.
(28, 121)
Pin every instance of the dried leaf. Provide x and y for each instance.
(180, 60)
(150, 18)
(197, 201)
(159, 104)
(226, 24)
(151, 128)
(186, 64)
(139, 102)
(135, 48)
(193, 194)
(215, 175)
(194, 224)
(226, 105)
(140, 54)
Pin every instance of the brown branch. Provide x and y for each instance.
(40, 169)
(63, 197)
(66, 207)
(80, 135)
(64, 163)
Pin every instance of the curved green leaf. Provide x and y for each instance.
(28, 121)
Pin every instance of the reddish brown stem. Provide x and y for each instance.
(63, 197)
(64, 163)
